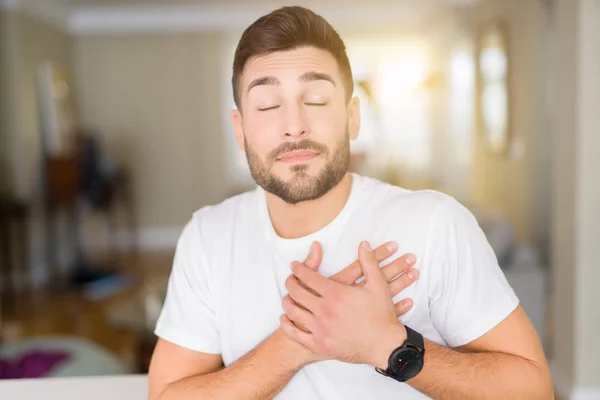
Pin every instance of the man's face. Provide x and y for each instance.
(296, 123)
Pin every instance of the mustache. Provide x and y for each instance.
(305, 144)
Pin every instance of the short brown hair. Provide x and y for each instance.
(289, 28)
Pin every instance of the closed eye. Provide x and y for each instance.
(316, 104)
(268, 108)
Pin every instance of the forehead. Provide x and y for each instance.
(291, 63)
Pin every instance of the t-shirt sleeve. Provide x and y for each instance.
(188, 317)
(470, 294)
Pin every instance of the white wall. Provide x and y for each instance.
(155, 101)
(27, 42)
(576, 200)
(8, 92)
(507, 184)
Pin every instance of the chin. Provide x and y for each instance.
(299, 172)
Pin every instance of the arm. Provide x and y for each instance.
(497, 352)
(260, 374)
(476, 311)
(177, 372)
(505, 363)
(186, 362)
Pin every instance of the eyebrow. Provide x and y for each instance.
(310, 76)
(316, 76)
(266, 80)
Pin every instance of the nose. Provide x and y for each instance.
(295, 122)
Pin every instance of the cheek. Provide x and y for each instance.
(326, 124)
(261, 134)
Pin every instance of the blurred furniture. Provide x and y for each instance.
(63, 190)
(85, 357)
(139, 315)
(522, 268)
(104, 187)
(530, 283)
(62, 183)
(13, 236)
(83, 177)
(130, 387)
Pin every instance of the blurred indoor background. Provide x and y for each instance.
(114, 128)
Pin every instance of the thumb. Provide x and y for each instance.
(369, 264)
(313, 260)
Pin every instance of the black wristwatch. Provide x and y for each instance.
(407, 360)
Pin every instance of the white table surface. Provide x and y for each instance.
(123, 387)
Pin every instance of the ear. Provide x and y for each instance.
(354, 118)
(236, 118)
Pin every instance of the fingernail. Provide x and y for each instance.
(292, 266)
(413, 274)
(313, 247)
(410, 260)
(367, 246)
(391, 247)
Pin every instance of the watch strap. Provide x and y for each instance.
(414, 338)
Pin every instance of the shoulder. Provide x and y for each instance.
(213, 224)
(221, 216)
(204, 244)
(419, 205)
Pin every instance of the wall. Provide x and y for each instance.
(8, 120)
(588, 198)
(26, 42)
(39, 42)
(155, 102)
(4, 102)
(507, 184)
(576, 195)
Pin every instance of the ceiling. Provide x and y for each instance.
(173, 3)
(97, 16)
(75, 3)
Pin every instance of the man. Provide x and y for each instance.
(238, 323)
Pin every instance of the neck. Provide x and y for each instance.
(302, 219)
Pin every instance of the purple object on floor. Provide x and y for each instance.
(33, 364)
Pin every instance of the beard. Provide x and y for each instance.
(302, 186)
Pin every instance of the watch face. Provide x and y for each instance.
(406, 363)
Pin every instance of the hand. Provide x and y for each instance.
(398, 273)
(354, 324)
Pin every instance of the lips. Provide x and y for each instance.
(298, 156)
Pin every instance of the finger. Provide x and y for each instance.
(300, 294)
(351, 273)
(370, 266)
(315, 254)
(296, 334)
(287, 296)
(302, 318)
(403, 281)
(311, 278)
(309, 289)
(403, 306)
(398, 266)
(395, 268)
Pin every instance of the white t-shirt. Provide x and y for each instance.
(225, 290)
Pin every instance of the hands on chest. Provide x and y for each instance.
(337, 318)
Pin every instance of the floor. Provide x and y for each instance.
(47, 312)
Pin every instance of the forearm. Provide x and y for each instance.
(449, 374)
(260, 374)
